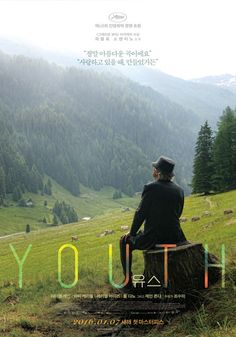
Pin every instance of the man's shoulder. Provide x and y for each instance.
(178, 187)
(151, 187)
(148, 187)
(157, 185)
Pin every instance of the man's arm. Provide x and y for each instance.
(182, 203)
(142, 210)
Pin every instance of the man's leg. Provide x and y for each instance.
(123, 241)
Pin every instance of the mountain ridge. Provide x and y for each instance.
(207, 100)
(227, 81)
(99, 129)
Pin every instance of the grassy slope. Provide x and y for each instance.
(39, 283)
(14, 219)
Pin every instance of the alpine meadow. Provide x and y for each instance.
(77, 147)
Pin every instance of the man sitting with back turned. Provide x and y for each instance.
(161, 207)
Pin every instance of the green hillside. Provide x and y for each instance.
(31, 311)
(81, 127)
(13, 219)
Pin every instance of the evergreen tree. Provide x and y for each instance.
(10, 181)
(55, 219)
(17, 195)
(1, 201)
(224, 152)
(27, 229)
(2, 183)
(64, 212)
(48, 187)
(56, 208)
(36, 180)
(72, 215)
(64, 218)
(117, 194)
(114, 195)
(203, 162)
(49, 183)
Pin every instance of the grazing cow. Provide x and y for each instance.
(107, 232)
(195, 218)
(228, 211)
(183, 219)
(101, 235)
(124, 228)
(206, 213)
(74, 238)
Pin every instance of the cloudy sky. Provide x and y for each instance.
(190, 38)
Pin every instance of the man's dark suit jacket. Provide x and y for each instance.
(160, 207)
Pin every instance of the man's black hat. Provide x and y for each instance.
(164, 164)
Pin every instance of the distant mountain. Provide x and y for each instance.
(201, 96)
(225, 81)
(79, 126)
(19, 47)
(205, 99)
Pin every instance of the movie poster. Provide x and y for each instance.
(117, 168)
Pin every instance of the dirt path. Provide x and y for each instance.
(10, 235)
(210, 203)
